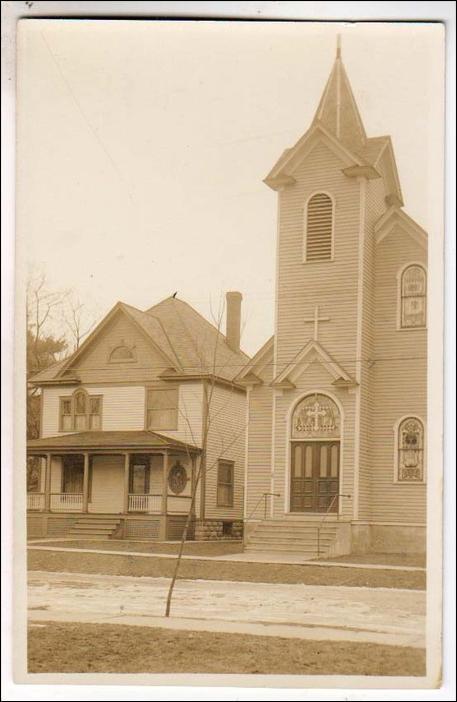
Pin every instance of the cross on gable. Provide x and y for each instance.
(315, 320)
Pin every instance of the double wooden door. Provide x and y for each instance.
(315, 469)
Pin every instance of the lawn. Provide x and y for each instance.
(125, 564)
(191, 548)
(110, 648)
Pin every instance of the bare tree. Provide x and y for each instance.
(43, 305)
(77, 319)
(209, 373)
(44, 346)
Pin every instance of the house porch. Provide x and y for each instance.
(141, 491)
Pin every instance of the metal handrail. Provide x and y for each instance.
(263, 496)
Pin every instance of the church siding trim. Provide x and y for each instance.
(359, 345)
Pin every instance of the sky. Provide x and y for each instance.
(142, 147)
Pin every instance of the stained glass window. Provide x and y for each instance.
(316, 417)
(413, 297)
(411, 450)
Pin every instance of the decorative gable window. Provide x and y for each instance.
(162, 408)
(413, 296)
(319, 228)
(122, 353)
(225, 483)
(410, 450)
(81, 412)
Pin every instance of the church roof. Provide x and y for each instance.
(338, 123)
(337, 110)
(189, 344)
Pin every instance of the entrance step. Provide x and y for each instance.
(94, 528)
(307, 538)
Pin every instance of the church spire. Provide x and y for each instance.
(337, 110)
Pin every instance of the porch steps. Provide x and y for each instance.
(299, 537)
(94, 528)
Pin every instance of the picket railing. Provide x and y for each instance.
(145, 503)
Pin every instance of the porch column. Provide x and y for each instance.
(86, 483)
(165, 483)
(126, 481)
(163, 516)
(193, 478)
(47, 484)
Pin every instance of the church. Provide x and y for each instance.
(335, 447)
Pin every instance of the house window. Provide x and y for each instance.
(319, 228)
(410, 449)
(139, 477)
(225, 482)
(162, 408)
(72, 474)
(66, 421)
(413, 297)
(81, 412)
(95, 413)
(80, 407)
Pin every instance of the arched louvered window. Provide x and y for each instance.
(319, 228)
(413, 297)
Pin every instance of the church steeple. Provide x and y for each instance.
(337, 110)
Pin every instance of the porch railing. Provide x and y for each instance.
(35, 501)
(66, 502)
(145, 503)
(178, 504)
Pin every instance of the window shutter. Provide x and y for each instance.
(319, 224)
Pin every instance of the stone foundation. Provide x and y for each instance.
(388, 538)
(217, 529)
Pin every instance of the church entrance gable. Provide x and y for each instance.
(315, 455)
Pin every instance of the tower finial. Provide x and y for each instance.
(338, 46)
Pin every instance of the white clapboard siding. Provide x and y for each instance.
(123, 407)
(259, 442)
(374, 206)
(226, 440)
(330, 284)
(399, 381)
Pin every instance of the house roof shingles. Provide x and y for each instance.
(110, 439)
(193, 345)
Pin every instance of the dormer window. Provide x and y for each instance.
(81, 412)
(318, 245)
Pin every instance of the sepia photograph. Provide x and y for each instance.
(229, 255)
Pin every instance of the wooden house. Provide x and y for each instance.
(337, 397)
(124, 424)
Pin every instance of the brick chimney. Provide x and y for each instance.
(233, 320)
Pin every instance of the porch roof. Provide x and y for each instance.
(110, 440)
